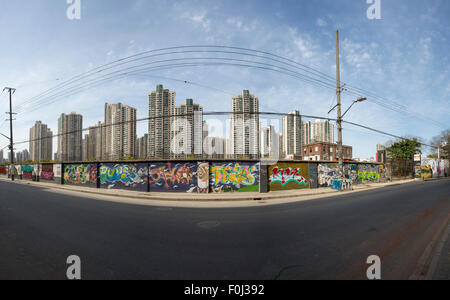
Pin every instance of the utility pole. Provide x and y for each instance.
(11, 91)
(339, 116)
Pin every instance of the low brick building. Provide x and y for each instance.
(325, 152)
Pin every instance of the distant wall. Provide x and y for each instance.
(210, 177)
(433, 168)
(47, 173)
(288, 176)
(80, 174)
(3, 171)
(234, 177)
(27, 171)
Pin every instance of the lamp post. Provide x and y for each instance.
(339, 119)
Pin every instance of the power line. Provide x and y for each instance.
(218, 114)
(379, 101)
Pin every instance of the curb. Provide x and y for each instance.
(434, 263)
(217, 198)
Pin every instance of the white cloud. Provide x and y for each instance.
(321, 22)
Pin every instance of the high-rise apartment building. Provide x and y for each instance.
(306, 133)
(142, 147)
(120, 131)
(245, 125)
(322, 132)
(270, 143)
(70, 137)
(292, 135)
(41, 142)
(215, 147)
(160, 111)
(93, 143)
(188, 129)
(22, 156)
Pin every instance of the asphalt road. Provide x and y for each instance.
(327, 238)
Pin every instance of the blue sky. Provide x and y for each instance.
(404, 57)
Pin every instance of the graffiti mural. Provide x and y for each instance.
(80, 174)
(370, 173)
(328, 172)
(175, 177)
(47, 172)
(433, 168)
(57, 170)
(3, 171)
(203, 178)
(124, 176)
(234, 177)
(27, 172)
(288, 176)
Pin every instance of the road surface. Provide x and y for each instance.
(328, 238)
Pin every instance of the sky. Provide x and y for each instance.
(402, 57)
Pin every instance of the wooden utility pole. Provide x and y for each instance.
(339, 111)
(11, 142)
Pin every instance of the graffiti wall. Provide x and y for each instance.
(432, 168)
(190, 177)
(234, 177)
(47, 172)
(371, 173)
(27, 172)
(124, 176)
(80, 174)
(3, 171)
(288, 176)
(328, 173)
(57, 172)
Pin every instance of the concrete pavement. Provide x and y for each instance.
(177, 197)
(329, 238)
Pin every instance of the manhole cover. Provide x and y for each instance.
(208, 224)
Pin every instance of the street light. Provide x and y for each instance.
(362, 99)
(339, 121)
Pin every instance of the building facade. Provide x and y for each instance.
(142, 147)
(70, 137)
(322, 131)
(215, 147)
(325, 152)
(41, 142)
(270, 143)
(292, 135)
(160, 111)
(187, 130)
(120, 131)
(245, 126)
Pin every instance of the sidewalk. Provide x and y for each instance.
(207, 197)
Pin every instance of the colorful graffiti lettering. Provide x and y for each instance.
(285, 176)
(124, 176)
(80, 174)
(370, 173)
(27, 168)
(231, 177)
(179, 177)
(3, 171)
(47, 175)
